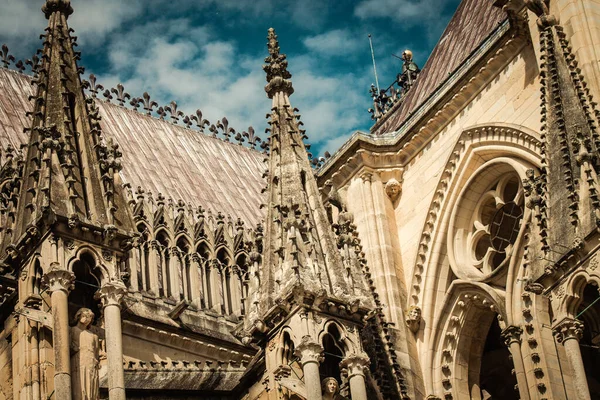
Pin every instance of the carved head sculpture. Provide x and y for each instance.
(393, 189)
(407, 55)
(413, 319)
(330, 386)
(84, 317)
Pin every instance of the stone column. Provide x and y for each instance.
(512, 339)
(309, 352)
(568, 332)
(59, 283)
(356, 365)
(111, 295)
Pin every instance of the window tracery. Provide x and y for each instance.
(486, 223)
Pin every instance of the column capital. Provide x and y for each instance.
(511, 334)
(356, 364)
(309, 351)
(58, 279)
(111, 293)
(568, 328)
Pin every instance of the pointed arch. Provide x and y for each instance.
(459, 333)
(474, 148)
(480, 148)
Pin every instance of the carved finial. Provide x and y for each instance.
(175, 114)
(62, 6)
(93, 86)
(148, 104)
(253, 140)
(201, 122)
(6, 58)
(122, 96)
(276, 68)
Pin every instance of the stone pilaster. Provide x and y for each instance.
(111, 295)
(59, 282)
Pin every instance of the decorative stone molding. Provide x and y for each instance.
(58, 279)
(568, 328)
(356, 364)
(309, 351)
(512, 334)
(111, 294)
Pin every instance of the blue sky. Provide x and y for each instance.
(208, 54)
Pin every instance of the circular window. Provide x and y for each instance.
(486, 222)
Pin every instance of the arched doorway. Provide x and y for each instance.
(495, 377)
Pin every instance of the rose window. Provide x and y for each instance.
(486, 223)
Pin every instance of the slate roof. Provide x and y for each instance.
(158, 156)
(472, 23)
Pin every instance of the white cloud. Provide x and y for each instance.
(428, 13)
(94, 19)
(337, 42)
(22, 21)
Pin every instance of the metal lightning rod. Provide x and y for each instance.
(374, 66)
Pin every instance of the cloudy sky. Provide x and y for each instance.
(208, 54)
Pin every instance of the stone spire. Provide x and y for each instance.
(301, 262)
(565, 195)
(71, 172)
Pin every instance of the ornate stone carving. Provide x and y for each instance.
(413, 319)
(393, 188)
(356, 364)
(309, 351)
(111, 294)
(84, 357)
(512, 334)
(330, 389)
(568, 328)
(58, 279)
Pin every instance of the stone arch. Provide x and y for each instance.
(90, 274)
(459, 336)
(286, 345)
(475, 149)
(575, 285)
(101, 272)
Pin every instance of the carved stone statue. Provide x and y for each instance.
(330, 389)
(393, 189)
(84, 357)
(413, 320)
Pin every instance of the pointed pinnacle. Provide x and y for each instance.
(276, 68)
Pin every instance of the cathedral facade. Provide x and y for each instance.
(449, 253)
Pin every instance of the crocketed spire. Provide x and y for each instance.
(70, 169)
(300, 256)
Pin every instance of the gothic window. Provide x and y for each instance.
(183, 270)
(87, 282)
(334, 353)
(486, 223)
(204, 273)
(143, 271)
(164, 288)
